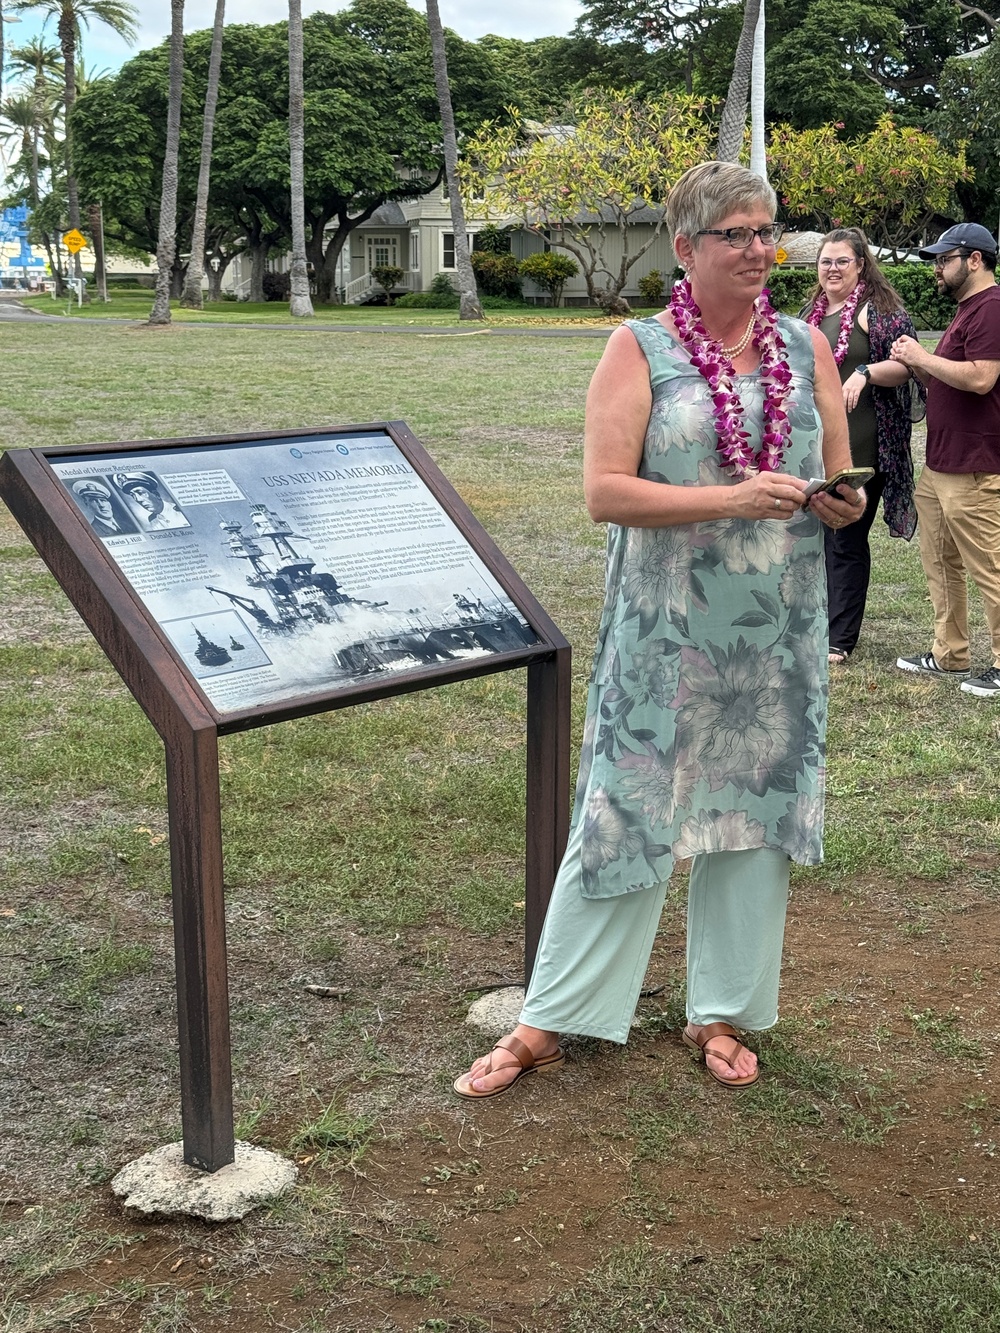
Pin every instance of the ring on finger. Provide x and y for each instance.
(777, 503)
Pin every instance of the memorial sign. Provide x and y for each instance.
(284, 569)
(236, 581)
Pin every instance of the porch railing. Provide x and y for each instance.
(355, 292)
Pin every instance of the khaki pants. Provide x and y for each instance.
(959, 532)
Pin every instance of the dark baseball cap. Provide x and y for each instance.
(966, 235)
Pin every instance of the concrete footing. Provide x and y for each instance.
(162, 1183)
(496, 1012)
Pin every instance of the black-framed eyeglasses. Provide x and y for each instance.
(741, 237)
(941, 260)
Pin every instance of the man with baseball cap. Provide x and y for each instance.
(958, 494)
(95, 501)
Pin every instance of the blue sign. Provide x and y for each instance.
(14, 227)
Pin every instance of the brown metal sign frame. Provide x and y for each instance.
(189, 726)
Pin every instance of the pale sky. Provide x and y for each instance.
(471, 19)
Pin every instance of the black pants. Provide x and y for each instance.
(848, 571)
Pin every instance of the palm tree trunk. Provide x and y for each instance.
(167, 241)
(67, 44)
(734, 114)
(95, 214)
(469, 307)
(758, 155)
(191, 296)
(300, 304)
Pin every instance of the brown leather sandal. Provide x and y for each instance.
(523, 1061)
(700, 1043)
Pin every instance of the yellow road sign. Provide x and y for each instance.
(74, 241)
(779, 256)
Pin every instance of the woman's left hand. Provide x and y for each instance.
(853, 388)
(836, 512)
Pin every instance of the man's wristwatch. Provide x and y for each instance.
(864, 370)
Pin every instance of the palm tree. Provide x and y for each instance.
(469, 307)
(40, 62)
(167, 241)
(300, 303)
(19, 115)
(191, 296)
(70, 15)
(732, 126)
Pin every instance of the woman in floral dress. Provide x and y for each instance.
(707, 705)
(861, 316)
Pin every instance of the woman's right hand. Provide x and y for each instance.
(769, 495)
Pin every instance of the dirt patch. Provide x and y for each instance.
(877, 1104)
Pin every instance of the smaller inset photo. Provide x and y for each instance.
(150, 501)
(216, 644)
(102, 507)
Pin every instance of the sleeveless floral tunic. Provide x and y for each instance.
(706, 714)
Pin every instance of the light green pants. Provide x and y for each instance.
(594, 951)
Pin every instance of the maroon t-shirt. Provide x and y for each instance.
(963, 428)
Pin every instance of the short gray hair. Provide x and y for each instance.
(706, 194)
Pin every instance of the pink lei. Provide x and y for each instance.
(711, 362)
(818, 313)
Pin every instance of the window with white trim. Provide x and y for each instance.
(447, 249)
(382, 252)
(415, 250)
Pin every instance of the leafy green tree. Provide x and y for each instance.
(542, 76)
(613, 158)
(847, 60)
(678, 29)
(970, 113)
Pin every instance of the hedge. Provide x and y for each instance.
(915, 284)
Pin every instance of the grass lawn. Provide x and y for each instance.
(137, 305)
(379, 852)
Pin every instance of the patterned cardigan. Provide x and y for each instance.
(895, 411)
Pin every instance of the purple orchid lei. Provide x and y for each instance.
(710, 361)
(818, 313)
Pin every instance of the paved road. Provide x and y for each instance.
(12, 309)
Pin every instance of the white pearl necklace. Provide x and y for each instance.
(741, 346)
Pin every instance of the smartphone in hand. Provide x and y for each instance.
(854, 477)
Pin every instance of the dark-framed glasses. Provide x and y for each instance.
(740, 237)
(942, 260)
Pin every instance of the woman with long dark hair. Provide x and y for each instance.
(861, 316)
